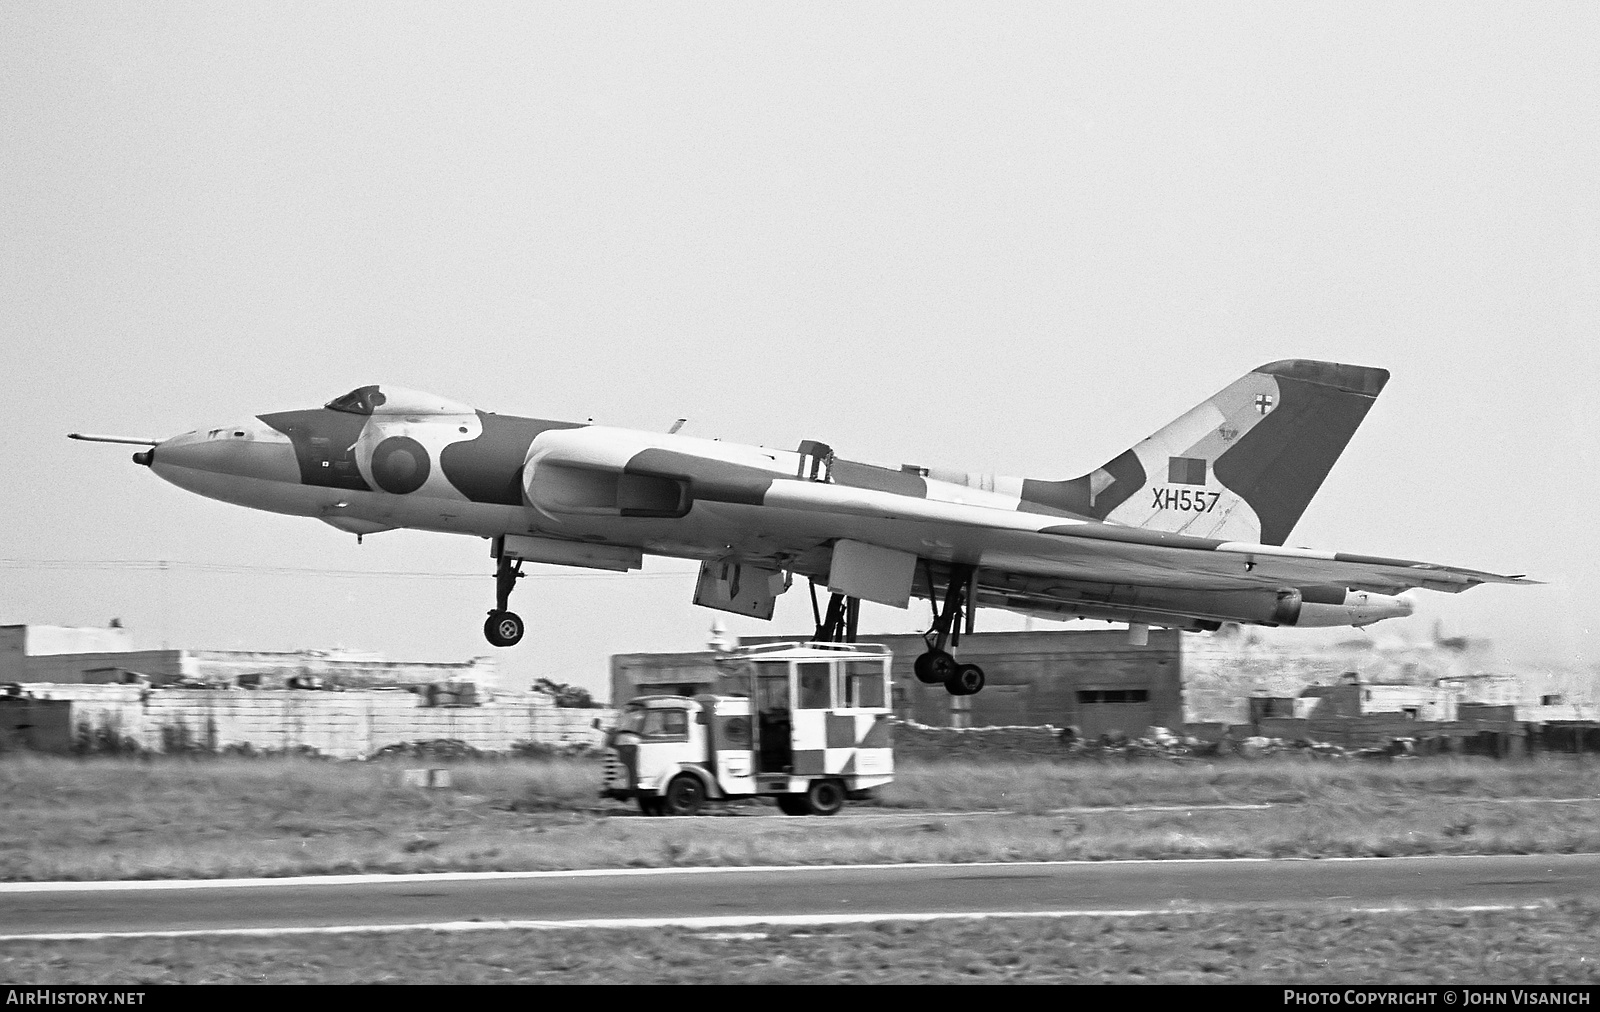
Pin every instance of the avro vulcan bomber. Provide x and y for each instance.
(1184, 530)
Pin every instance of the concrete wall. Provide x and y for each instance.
(342, 724)
(42, 725)
(1426, 702)
(225, 666)
(162, 666)
(13, 652)
(1375, 730)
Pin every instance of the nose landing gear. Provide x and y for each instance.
(503, 627)
(937, 665)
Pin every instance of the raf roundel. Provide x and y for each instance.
(400, 465)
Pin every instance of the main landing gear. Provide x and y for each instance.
(937, 665)
(503, 627)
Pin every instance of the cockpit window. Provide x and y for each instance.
(360, 401)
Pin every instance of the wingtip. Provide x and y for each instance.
(1517, 579)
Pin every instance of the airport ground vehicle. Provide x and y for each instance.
(805, 723)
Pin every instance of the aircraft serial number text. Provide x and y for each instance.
(1193, 500)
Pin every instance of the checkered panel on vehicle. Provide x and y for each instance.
(855, 743)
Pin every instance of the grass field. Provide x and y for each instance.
(1038, 786)
(106, 818)
(1554, 945)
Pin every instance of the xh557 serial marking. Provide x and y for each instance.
(1184, 530)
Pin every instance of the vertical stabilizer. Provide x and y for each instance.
(1241, 466)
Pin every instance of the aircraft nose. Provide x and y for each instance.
(249, 450)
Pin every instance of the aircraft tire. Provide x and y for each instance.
(503, 628)
(934, 666)
(824, 797)
(967, 680)
(686, 795)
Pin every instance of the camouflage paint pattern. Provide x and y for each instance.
(1259, 449)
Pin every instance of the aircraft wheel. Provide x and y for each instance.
(793, 804)
(934, 666)
(685, 795)
(503, 628)
(824, 797)
(967, 680)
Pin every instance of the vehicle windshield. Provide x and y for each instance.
(653, 721)
(359, 401)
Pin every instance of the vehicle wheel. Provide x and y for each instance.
(685, 795)
(503, 628)
(933, 667)
(793, 804)
(649, 805)
(966, 681)
(824, 797)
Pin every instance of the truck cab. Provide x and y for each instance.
(804, 723)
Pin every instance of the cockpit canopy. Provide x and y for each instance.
(391, 400)
(359, 401)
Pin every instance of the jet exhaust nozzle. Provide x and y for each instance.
(1359, 608)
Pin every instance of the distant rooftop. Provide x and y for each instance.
(45, 640)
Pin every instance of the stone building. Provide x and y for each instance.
(1093, 680)
(79, 655)
(1429, 680)
(347, 725)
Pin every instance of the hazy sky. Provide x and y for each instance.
(1012, 238)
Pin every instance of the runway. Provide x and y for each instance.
(728, 897)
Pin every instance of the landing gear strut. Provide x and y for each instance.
(503, 628)
(937, 665)
(839, 625)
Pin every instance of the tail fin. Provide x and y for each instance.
(1241, 466)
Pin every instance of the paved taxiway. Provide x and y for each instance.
(812, 894)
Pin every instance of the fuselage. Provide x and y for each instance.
(423, 462)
